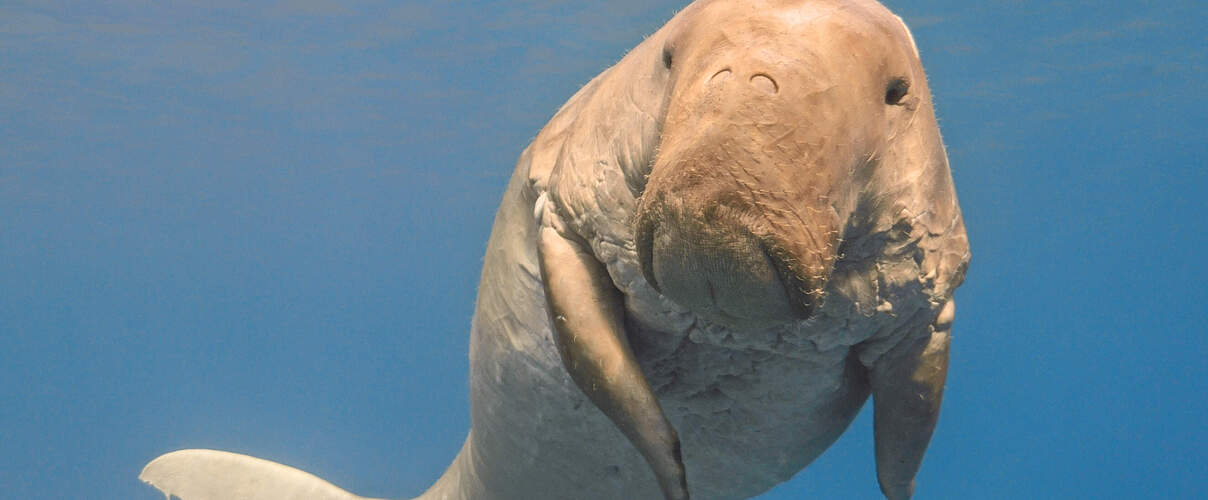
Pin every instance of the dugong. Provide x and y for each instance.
(701, 268)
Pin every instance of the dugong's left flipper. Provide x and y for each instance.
(907, 387)
(588, 322)
(219, 475)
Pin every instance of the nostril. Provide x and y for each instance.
(765, 83)
(720, 76)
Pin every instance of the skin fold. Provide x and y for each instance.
(704, 265)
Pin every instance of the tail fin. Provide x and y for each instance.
(219, 475)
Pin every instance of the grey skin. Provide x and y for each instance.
(702, 267)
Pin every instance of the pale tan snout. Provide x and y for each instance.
(734, 222)
(716, 243)
(712, 261)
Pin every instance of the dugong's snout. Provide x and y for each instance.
(765, 142)
(721, 256)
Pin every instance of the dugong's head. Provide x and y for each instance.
(783, 122)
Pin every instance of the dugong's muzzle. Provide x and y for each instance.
(728, 249)
(738, 219)
(719, 268)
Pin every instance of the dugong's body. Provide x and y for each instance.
(705, 264)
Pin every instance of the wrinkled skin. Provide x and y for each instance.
(709, 259)
(742, 230)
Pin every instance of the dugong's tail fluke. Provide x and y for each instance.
(219, 475)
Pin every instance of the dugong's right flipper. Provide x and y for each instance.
(588, 329)
(219, 475)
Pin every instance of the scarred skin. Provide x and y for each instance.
(710, 257)
(741, 231)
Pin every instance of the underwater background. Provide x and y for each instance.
(258, 227)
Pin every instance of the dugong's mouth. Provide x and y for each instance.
(721, 270)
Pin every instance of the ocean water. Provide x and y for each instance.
(259, 228)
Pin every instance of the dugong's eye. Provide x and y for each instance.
(896, 90)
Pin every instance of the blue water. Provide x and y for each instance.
(260, 229)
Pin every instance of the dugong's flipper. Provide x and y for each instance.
(588, 330)
(907, 386)
(219, 475)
